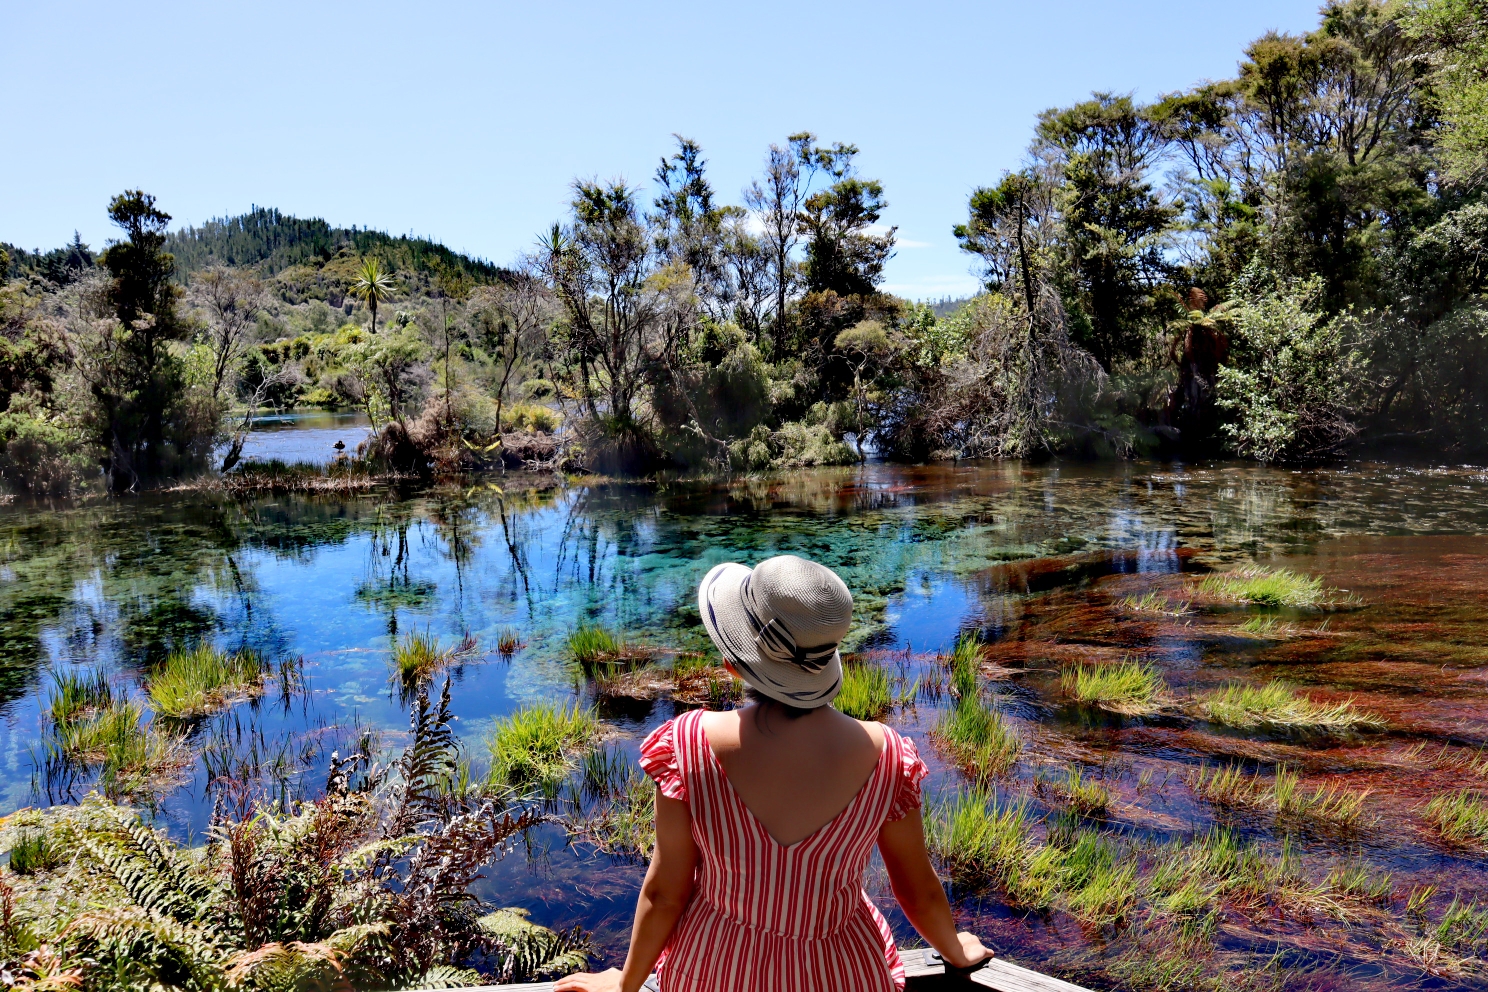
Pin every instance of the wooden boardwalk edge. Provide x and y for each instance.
(997, 974)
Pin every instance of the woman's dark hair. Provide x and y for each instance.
(773, 705)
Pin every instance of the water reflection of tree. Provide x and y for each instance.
(128, 581)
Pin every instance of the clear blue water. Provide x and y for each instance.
(928, 552)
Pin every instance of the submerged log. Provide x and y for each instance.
(923, 972)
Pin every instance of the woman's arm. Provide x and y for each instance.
(902, 844)
(664, 895)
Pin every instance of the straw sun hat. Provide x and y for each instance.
(779, 625)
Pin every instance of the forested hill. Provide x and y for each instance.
(271, 241)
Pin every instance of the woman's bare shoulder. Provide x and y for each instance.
(721, 727)
(876, 732)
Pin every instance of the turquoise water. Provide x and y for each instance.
(928, 552)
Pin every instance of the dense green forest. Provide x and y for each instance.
(1288, 265)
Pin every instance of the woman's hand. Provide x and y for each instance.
(972, 952)
(604, 981)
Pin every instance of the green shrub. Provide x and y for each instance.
(1286, 385)
(41, 454)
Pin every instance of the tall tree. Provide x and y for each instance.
(1458, 33)
(372, 287)
(623, 314)
(233, 302)
(689, 226)
(134, 378)
(1008, 228)
(776, 201)
(1114, 222)
(843, 255)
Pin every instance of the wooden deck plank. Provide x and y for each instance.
(1004, 976)
(997, 974)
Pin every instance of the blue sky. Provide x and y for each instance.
(466, 121)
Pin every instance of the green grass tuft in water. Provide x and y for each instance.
(1156, 602)
(1080, 794)
(977, 736)
(509, 641)
(865, 692)
(1460, 816)
(538, 743)
(624, 825)
(1278, 704)
(130, 756)
(978, 838)
(75, 696)
(591, 645)
(1100, 886)
(1128, 687)
(1276, 587)
(193, 683)
(1264, 628)
(1283, 794)
(964, 663)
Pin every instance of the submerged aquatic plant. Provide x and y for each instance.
(1276, 587)
(1460, 816)
(538, 743)
(1128, 687)
(976, 735)
(1278, 704)
(193, 683)
(865, 692)
(1157, 602)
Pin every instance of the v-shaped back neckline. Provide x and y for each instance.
(883, 753)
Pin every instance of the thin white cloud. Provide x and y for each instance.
(907, 243)
(934, 287)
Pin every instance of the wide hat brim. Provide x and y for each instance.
(721, 603)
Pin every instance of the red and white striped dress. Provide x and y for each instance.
(770, 918)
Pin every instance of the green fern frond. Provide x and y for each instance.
(446, 976)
